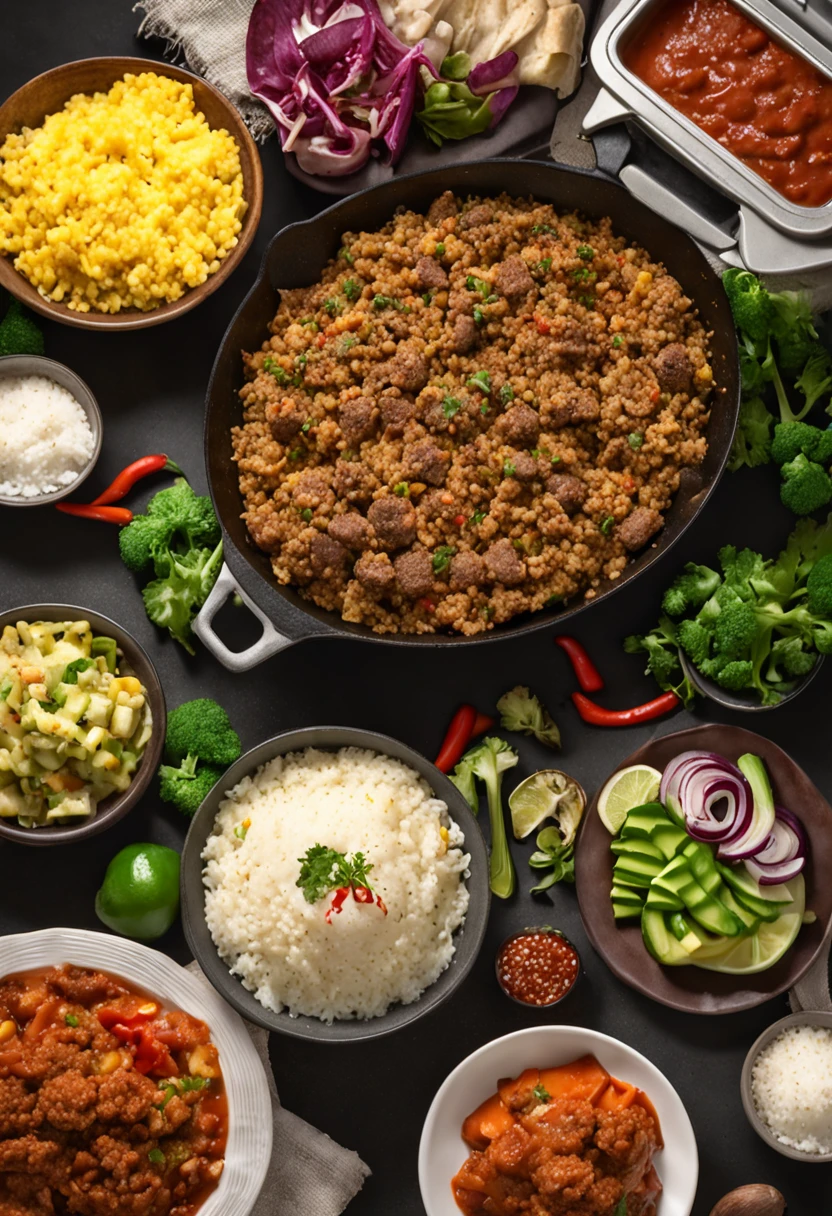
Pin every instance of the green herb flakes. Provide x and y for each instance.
(402, 489)
(72, 1020)
(606, 524)
(440, 249)
(544, 265)
(344, 253)
(451, 406)
(156, 1156)
(442, 558)
(506, 394)
(635, 440)
(508, 468)
(480, 381)
(585, 252)
(541, 1093)
(617, 341)
(351, 289)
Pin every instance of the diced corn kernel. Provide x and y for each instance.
(108, 1063)
(8, 1030)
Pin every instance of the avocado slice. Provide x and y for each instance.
(642, 820)
(765, 903)
(663, 901)
(660, 941)
(638, 846)
(635, 870)
(678, 878)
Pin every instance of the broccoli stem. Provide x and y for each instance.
(503, 879)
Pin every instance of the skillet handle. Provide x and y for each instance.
(269, 642)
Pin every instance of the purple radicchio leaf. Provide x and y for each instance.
(494, 74)
(499, 102)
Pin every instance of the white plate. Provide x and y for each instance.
(442, 1150)
(249, 1146)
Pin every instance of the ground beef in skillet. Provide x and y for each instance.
(285, 418)
(571, 352)
(414, 573)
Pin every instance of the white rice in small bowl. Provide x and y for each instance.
(791, 1088)
(279, 944)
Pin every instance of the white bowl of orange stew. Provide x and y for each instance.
(135, 1013)
(573, 1092)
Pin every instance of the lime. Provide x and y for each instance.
(628, 788)
(139, 896)
(548, 794)
(763, 948)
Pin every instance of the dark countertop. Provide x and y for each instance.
(373, 1097)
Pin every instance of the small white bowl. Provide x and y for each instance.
(59, 373)
(249, 1147)
(442, 1149)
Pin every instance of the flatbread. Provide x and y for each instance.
(546, 34)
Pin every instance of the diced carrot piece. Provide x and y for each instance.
(582, 1078)
(617, 1096)
(488, 1121)
(510, 1088)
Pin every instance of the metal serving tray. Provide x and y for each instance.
(773, 232)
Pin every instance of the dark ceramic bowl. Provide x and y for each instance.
(117, 805)
(745, 701)
(467, 940)
(691, 989)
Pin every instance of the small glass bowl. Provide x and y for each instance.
(537, 929)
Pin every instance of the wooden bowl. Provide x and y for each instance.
(49, 93)
(692, 989)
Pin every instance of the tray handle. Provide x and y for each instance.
(270, 642)
(653, 194)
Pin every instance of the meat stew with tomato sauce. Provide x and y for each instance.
(565, 1141)
(110, 1103)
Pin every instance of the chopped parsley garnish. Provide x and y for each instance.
(172, 1086)
(402, 489)
(617, 341)
(344, 253)
(306, 426)
(479, 316)
(508, 468)
(451, 406)
(71, 1020)
(442, 558)
(440, 249)
(156, 1156)
(347, 343)
(311, 323)
(555, 459)
(552, 600)
(484, 408)
(535, 453)
(582, 275)
(331, 306)
(588, 301)
(479, 380)
(380, 302)
(544, 265)
(351, 289)
(621, 1209)
(270, 365)
(306, 514)
(506, 394)
(538, 228)
(585, 252)
(295, 454)
(301, 361)
(427, 297)
(323, 869)
(606, 524)
(478, 517)
(480, 285)
(541, 1093)
(635, 440)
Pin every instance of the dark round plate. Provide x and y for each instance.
(467, 940)
(691, 989)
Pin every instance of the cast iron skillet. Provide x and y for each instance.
(296, 257)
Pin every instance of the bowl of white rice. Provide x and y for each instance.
(50, 431)
(786, 1086)
(323, 960)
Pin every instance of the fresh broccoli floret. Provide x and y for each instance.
(739, 568)
(488, 761)
(792, 438)
(690, 589)
(752, 442)
(736, 675)
(187, 785)
(819, 588)
(816, 378)
(695, 640)
(662, 648)
(751, 304)
(806, 486)
(790, 655)
(201, 728)
(186, 512)
(734, 631)
(19, 332)
(823, 448)
(181, 537)
(524, 713)
(140, 541)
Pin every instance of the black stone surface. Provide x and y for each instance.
(373, 1097)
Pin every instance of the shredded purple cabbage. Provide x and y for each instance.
(337, 82)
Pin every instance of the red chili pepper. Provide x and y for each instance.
(107, 515)
(134, 472)
(482, 723)
(362, 895)
(654, 393)
(381, 904)
(457, 738)
(459, 520)
(588, 676)
(597, 715)
(337, 903)
(543, 326)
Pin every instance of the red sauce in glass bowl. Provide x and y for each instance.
(537, 967)
(766, 105)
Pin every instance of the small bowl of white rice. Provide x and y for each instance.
(786, 1086)
(50, 431)
(338, 967)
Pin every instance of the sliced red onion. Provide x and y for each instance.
(770, 876)
(783, 854)
(673, 773)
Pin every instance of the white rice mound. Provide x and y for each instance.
(279, 944)
(791, 1085)
(45, 437)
